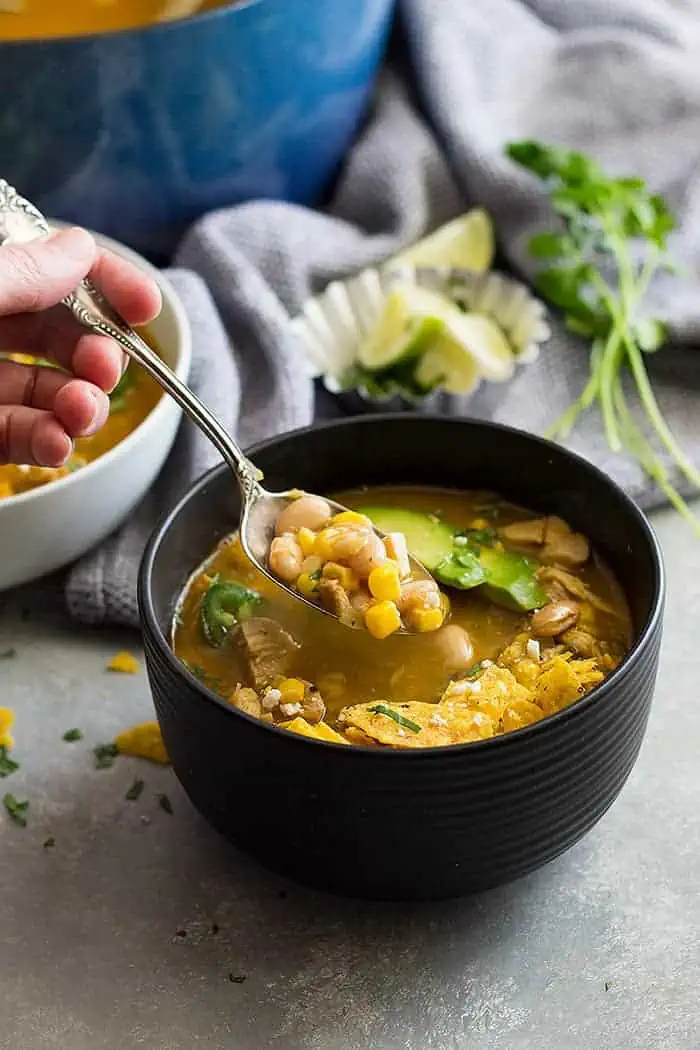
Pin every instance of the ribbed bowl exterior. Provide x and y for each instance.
(423, 824)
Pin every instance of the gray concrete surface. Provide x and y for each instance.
(140, 929)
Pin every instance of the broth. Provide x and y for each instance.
(349, 667)
(44, 19)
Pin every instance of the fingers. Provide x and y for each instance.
(81, 408)
(132, 292)
(54, 333)
(29, 435)
(39, 274)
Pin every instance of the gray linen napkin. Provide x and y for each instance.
(619, 79)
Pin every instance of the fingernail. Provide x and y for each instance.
(76, 243)
(100, 411)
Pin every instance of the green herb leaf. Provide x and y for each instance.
(105, 755)
(475, 671)
(7, 764)
(135, 791)
(165, 804)
(8, 654)
(614, 239)
(388, 712)
(71, 735)
(17, 810)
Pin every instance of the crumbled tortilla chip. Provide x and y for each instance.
(438, 724)
(143, 741)
(320, 731)
(124, 662)
(562, 681)
(7, 718)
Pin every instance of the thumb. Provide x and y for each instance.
(38, 274)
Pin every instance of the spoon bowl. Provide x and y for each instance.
(20, 222)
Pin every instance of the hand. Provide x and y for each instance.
(42, 409)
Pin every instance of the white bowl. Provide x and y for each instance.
(331, 326)
(48, 527)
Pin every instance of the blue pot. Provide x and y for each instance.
(135, 134)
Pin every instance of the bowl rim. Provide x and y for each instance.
(644, 636)
(181, 366)
(149, 28)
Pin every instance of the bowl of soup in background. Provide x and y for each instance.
(52, 524)
(137, 132)
(407, 824)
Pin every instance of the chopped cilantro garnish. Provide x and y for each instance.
(388, 712)
(134, 791)
(105, 754)
(17, 810)
(7, 764)
(165, 804)
(475, 670)
(71, 735)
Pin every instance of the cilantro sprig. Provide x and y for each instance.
(612, 240)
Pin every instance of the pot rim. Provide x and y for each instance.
(644, 637)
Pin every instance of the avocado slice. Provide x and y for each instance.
(428, 539)
(511, 581)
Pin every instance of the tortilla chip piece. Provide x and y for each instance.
(563, 681)
(143, 741)
(320, 731)
(416, 724)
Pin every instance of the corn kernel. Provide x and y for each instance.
(382, 619)
(351, 517)
(384, 582)
(7, 717)
(292, 690)
(323, 544)
(424, 620)
(344, 575)
(307, 585)
(306, 539)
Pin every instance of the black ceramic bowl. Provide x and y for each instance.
(419, 824)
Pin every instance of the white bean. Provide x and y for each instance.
(454, 648)
(286, 558)
(371, 555)
(307, 512)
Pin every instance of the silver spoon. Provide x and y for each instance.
(21, 221)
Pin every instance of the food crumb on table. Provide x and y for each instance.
(124, 662)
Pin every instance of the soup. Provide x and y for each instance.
(132, 400)
(535, 621)
(41, 19)
(339, 562)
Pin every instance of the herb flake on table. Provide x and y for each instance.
(71, 735)
(16, 809)
(105, 755)
(8, 766)
(165, 804)
(611, 241)
(135, 791)
(8, 654)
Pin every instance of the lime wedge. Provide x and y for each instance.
(466, 243)
(447, 366)
(400, 335)
(477, 335)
